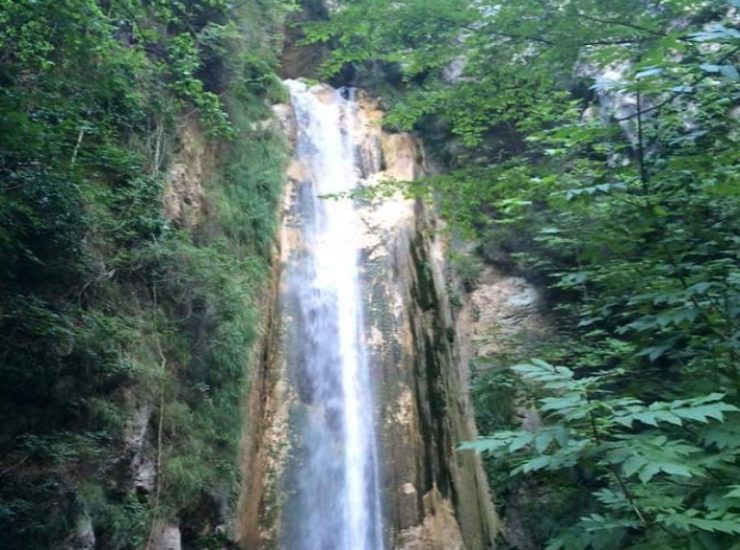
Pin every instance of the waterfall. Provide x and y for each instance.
(334, 501)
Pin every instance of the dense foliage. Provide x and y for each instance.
(593, 147)
(117, 324)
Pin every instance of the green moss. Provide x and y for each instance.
(423, 287)
(104, 306)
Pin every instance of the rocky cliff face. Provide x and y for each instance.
(194, 163)
(435, 496)
(504, 316)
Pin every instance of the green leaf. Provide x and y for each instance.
(520, 441)
(704, 413)
(729, 71)
(648, 472)
(632, 465)
(653, 71)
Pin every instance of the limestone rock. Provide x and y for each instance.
(435, 497)
(505, 309)
(505, 314)
(438, 531)
(135, 437)
(285, 118)
(166, 536)
(83, 537)
(184, 199)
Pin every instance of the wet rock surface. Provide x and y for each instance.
(434, 496)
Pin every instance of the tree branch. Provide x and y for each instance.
(674, 95)
(621, 24)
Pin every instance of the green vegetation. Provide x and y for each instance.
(107, 308)
(593, 147)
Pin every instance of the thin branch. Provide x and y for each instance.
(650, 209)
(621, 24)
(77, 148)
(641, 150)
(14, 466)
(539, 39)
(615, 42)
(160, 423)
(158, 149)
(674, 95)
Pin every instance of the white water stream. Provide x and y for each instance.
(335, 504)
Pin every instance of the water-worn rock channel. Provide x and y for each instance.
(361, 395)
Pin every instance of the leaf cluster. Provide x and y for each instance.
(107, 308)
(591, 147)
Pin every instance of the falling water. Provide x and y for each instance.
(335, 503)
